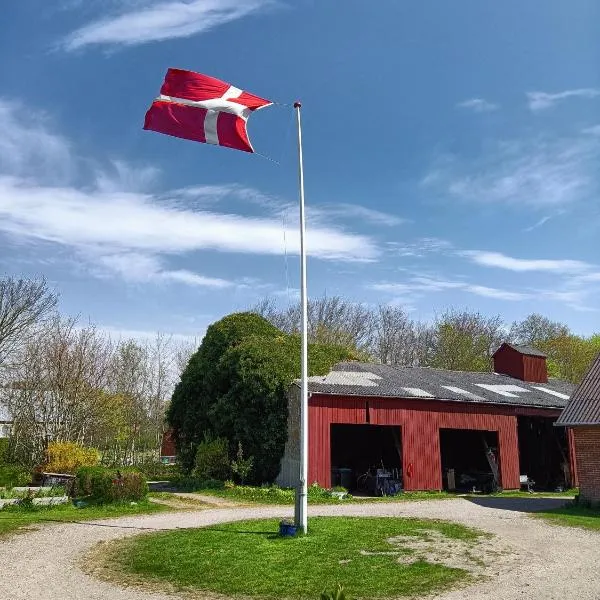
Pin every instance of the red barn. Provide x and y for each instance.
(431, 429)
(582, 417)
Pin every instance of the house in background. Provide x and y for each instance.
(6, 421)
(582, 417)
(434, 429)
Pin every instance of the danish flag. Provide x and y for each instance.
(204, 109)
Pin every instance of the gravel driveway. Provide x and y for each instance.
(545, 561)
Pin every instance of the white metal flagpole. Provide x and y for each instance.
(301, 517)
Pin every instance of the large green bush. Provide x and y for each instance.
(110, 485)
(212, 460)
(235, 387)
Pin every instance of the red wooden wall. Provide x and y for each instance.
(509, 361)
(420, 422)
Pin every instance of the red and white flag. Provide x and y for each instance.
(204, 109)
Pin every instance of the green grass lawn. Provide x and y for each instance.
(250, 559)
(14, 518)
(573, 516)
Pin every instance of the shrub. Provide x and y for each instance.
(242, 466)
(110, 485)
(4, 451)
(68, 457)
(14, 476)
(157, 471)
(337, 594)
(212, 460)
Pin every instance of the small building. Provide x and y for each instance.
(434, 429)
(6, 421)
(582, 417)
(168, 450)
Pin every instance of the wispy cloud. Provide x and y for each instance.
(539, 223)
(594, 130)
(478, 105)
(113, 225)
(27, 140)
(543, 100)
(419, 285)
(523, 265)
(153, 21)
(144, 268)
(542, 173)
(347, 211)
(419, 248)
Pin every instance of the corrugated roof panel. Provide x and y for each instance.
(552, 392)
(464, 393)
(418, 392)
(362, 379)
(584, 406)
(503, 390)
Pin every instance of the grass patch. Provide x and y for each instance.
(14, 518)
(250, 559)
(522, 494)
(286, 496)
(572, 516)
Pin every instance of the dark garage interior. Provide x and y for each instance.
(366, 458)
(543, 453)
(465, 464)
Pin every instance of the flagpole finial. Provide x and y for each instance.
(297, 104)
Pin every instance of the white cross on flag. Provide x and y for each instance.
(204, 109)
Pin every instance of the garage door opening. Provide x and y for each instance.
(469, 460)
(366, 459)
(543, 453)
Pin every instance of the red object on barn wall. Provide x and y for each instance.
(420, 432)
(520, 362)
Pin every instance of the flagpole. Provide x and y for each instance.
(301, 516)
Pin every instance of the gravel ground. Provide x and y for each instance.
(535, 560)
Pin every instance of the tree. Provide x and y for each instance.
(570, 356)
(537, 330)
(23, 304)
(331, 320)
(201, 383)
(235, 387)
(465, 341)
(56, 394)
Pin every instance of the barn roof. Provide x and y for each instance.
(584, 406)
(366, 379)
(527, 350)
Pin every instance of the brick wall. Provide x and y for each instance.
(587, 445)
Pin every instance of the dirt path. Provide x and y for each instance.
(545, 562)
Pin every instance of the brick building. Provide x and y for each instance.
(582, 416)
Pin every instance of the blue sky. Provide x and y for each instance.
(451, 155)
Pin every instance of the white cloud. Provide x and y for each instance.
(478, 105)
(419, 285)
(112, 225)
(420, 248)
(542, 100)
(522, 265)
(354, 211)
(594, 130)
(27, 141)
(153, 21)
(542, 173)
(143, 268)
(135, 221)
(122, 177)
